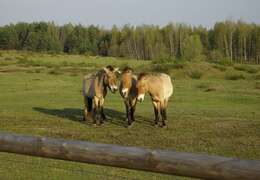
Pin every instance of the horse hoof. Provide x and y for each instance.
(164, 126)
(156, 125)
(130, 125)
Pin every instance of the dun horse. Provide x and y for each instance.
(94, 97)
(160, 88)
(128, 91)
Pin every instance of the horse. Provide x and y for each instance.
(94, 96)
(128, 91)
(160, 88)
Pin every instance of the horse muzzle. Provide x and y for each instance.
(113, 89)
(125, 92)
(140, 98)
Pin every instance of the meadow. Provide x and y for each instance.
(215, 109)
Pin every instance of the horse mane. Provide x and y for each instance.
(100, 75)
(127, 69)
(110, 68)
(142, 75)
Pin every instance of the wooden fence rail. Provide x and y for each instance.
(169, 162)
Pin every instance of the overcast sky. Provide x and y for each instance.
(108, 12)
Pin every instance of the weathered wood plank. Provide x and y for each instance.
(170, 162)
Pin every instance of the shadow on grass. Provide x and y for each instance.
(74, 114)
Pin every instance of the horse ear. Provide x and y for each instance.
(116, 70)
(105, 69)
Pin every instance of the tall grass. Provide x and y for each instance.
(233, 75)
(246, 68)
(195, 74)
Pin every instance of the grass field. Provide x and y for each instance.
(215, 110)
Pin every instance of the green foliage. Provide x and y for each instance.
(233, 75)
(216, 56)
(192, 48)
(226, 41)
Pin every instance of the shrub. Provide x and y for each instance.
(257, 77)
(246, 68)
(215, 56)
(219, 67)
(8, 59)
(163, 60)
(252, 70)
(167, 67)
(64, 63)
(161, 68)
(203, 85)
(239, 67)
(195, 74)
(234, 76)
(55, 71)
(225, 62)
(257, 85)
(37, 70)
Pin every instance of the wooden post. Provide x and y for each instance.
(169, 162)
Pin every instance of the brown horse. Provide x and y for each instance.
(128, 91)
(160, 88)
(97, 91)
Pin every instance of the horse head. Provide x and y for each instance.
(126, 81)
(141, 86)
(111, 78)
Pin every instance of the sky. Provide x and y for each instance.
(106, 13)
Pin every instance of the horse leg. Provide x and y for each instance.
(103, 116)
(85, 114)
(133, 106)
(96, 115)
(88, 101)
(85, 109)
(99, 112)
(155, 107)
(163, 112)
(159, 109)
(133, 113)
(128, 112)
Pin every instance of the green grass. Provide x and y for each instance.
(224, 121)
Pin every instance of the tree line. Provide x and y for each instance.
(234, 41)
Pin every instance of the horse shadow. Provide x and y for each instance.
(76, 114)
